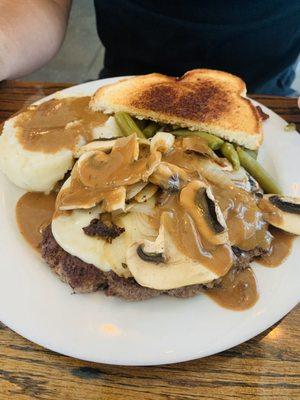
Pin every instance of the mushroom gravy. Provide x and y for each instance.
(182, 228)
(281, 247)
(101, 178)
(237, 290)
(34, 213)
(245, 224)
(58, 124)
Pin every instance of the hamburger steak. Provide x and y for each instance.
(85, 278)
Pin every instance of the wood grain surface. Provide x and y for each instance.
(266, 367)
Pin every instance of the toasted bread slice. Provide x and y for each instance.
(201, 99)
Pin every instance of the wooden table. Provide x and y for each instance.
(266, 367)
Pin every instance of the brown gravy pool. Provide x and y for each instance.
(280, 248)
(238, 290)
(34, 212)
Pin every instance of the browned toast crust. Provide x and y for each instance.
(200, 99)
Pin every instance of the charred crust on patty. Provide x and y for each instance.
(103, 229)
(81, 276)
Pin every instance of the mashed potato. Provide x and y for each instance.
(38, 171)
(31, 170)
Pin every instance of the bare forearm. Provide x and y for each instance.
(31, 32)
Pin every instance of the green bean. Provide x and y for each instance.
(252, 153)
(127, 124)
(266, 182)
(151, 129)
(213, 141)
(228, 151)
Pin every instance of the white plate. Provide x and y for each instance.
(35, 304)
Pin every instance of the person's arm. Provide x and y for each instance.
(31, 32)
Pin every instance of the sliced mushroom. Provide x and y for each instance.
(121, 167)
(156, 258)
(138, 226)
(133, 190)
(154, 160)
(287, 204)
(282, 212)
(225, 175)
(146, 193)
(239, 178)
(213, 172)
(143, 141)
(100, 145)
(169, 177)
(254, 185)
(72, 197)
(200, 146)
(198, 200)
(243, 180)
(113, 200)
(161, 265)
(152, 252)
(147, 208)
(162, 141)
(107, 145)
